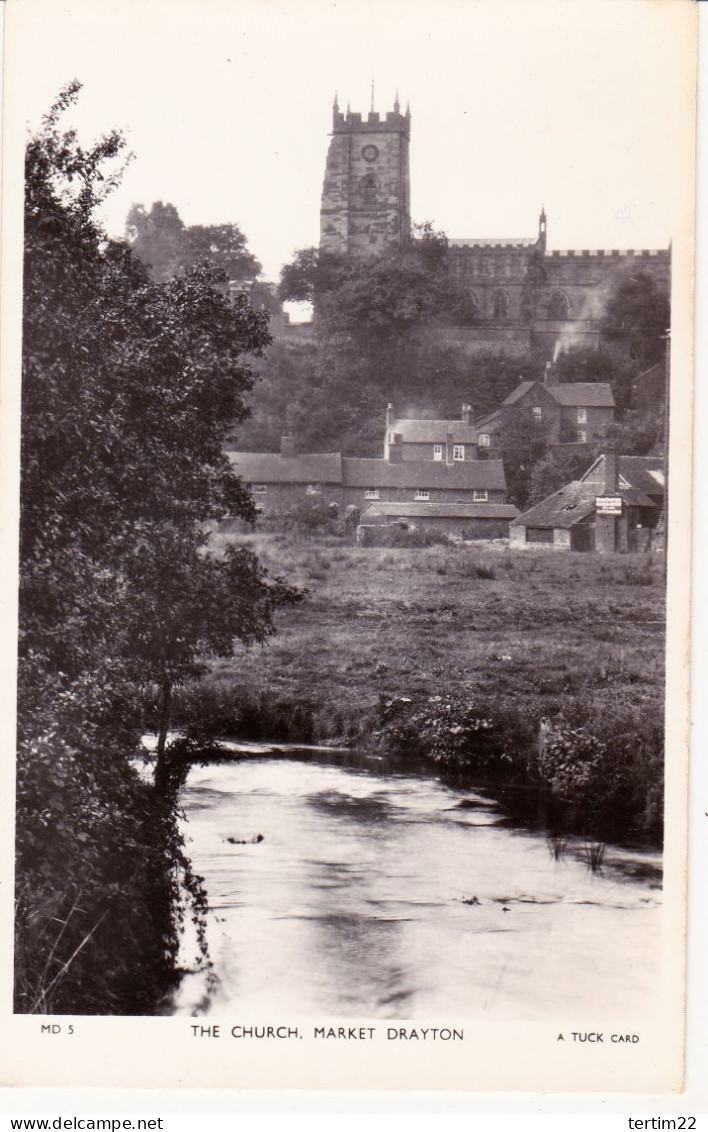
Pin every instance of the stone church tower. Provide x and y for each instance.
(366, 191)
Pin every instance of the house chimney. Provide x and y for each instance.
(550, 375)
(287, 446)
(466, 417)
(448, 447)
(395, 450)
(610, 463)
(389, 415)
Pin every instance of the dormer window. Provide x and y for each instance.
(458, 452)
(437, 451)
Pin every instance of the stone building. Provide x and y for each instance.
(524, 295)
(366, 191)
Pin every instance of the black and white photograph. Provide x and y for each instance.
(346, 449)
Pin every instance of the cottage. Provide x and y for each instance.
(576, 412)
(607, 509)
(279, 481)
(444, 441)
(470, 481)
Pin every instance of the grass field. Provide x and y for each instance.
(577, 636)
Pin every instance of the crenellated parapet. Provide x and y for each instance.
(352, 122)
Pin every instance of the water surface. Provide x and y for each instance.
(393, 895)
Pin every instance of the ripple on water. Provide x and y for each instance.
(382, 895)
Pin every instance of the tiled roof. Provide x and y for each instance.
(464, 474)
(587, 394)
(590, 393)
(644, 472)
(519, 392)
(271, 467)
(434, 432)
(439, 511)
(489, 420)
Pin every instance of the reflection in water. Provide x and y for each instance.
(388, 895)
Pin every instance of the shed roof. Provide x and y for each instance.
(575, 502)
(439, 511)
(585, 394)
(271, 467)
(463, 474)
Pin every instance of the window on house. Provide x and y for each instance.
(537, 414)
(312, 489)
(437, 451)
(582, 416)
(458, 452)
(258, 488)
(484, 440)
(371, 493)
(390, 438)
(422, 494)
(481, 496)
(582, 436)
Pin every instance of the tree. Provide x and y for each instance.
(523, 441)
(640, 316)
(298, 279)
(130, 388)
(167, 246)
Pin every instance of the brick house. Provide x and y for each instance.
(469, 481)
(443, 442)
(280, 480)
(576, 412)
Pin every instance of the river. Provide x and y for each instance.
(384, 894)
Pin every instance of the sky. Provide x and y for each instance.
(226, 107)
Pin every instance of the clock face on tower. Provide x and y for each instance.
(369, 153)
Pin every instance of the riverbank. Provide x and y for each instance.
(461, 652)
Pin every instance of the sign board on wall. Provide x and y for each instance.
(608, 504)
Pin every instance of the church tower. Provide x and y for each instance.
(366, 192)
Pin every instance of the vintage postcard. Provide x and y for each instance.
(347, 371)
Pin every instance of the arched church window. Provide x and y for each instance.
(500, 305)
(558, 306)
(368, 188)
